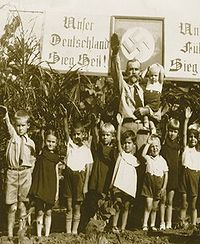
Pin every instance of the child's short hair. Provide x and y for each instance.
(127, 134)
(22, 114)
(174, 124)
(77, 125)
(193, 131)
(108, 127)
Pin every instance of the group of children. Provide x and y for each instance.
(104, 163)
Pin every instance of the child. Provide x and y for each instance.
(76, 176)
(152, 93)
(104, 154)
(44, 184)
(191, 171)
(124, 173)
(155, 180)
(20, 162)
(170, 151)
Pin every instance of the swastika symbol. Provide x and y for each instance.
(138, 43)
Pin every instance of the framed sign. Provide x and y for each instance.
(76, 41)
(141, 38)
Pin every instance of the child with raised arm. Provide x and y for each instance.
(45, 181)
(191, 171)
(20, 162)
(104, 153)
(170, 151)
(76, 176)
(155, 180)
(124, 181)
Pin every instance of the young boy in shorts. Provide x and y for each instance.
(20, 162)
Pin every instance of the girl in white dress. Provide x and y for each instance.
(124, 181)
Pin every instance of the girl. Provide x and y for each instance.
(76, 176)
(170, 151)
(155, 180)
(154, 75)
(45, 182)
(191, 171)
(124, 173)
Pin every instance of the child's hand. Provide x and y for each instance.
(119, 119)
(188, 112)
(150, 139)
(162, 192)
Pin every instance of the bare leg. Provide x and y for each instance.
(147, 211)
(162, 212)
(153, 213)
(76, 218)
(170, 197)
(69, 216)
(194, 211)
(22, 213)
(40, 216)
(183, 209)
(125, 215)
(11, 218)
(47, 222)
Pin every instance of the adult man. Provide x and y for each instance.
(131, 104)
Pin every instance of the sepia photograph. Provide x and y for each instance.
(99, 121)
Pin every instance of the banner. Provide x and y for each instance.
(182, 49)
(76, 41)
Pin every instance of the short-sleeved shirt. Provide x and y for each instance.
(78, 156)
(14, 148)
(191, 158)
(156, 165)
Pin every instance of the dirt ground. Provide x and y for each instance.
(133, 235)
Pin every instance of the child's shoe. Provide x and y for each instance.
(162, 226)
(115, 230)
(168, 226)
(145, 228)
(153, 228)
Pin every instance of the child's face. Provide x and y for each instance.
(192, 140)
(21, 126)
(106, 137)
(78, 136)
(154, 76)
(154, 148)
(172, 134)
(51, 142)
(128, 145)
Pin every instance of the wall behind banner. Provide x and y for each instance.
(181, 47)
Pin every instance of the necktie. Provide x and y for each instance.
(22, 145)
(137, 99)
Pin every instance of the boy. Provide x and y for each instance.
(76, 176)
(20, 161)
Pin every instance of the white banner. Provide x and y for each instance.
(182, 49)
(76, 41)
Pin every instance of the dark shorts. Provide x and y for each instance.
(121, 196)
(41, 205)
(73, 184)
(151, 186)
(190, 182)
